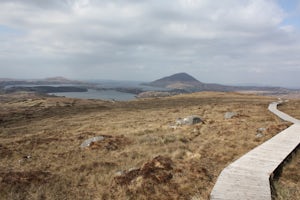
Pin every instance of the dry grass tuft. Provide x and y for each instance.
(287, 186)
(157, 170)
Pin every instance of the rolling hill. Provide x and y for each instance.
(186, 82)
(176, 81)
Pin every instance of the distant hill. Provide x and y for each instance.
(52, 80)
(187, 83)
(46, 89)
(58, 79)
(184, 81)
(176, 81)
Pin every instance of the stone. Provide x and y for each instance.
(191, 155)
(174, 127)
(260, 130)
(229, 115)
(133, 169)
(88, 142)
(119, 173)
(24, 159)
(190, 120)
(259, 135)
(179, 121)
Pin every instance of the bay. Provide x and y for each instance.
(98, 94)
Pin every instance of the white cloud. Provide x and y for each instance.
(157, 37)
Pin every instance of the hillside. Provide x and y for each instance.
(176, 81)
(144, 156)
(46, 81)
(184, 81)
(46, 89)
(187, 83)
(59, 80)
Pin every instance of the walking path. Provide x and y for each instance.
(249, 176)
(282, 115)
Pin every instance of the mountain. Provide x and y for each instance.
(176, 81)
(186, 83)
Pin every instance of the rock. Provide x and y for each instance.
(179, 121)
(24, 158)
(133, 169)
(260, 130)
(190, 120)
(119, 173)
(174, 127)
(229, 115)
(191, 155)
(88, 142)
(259, 135)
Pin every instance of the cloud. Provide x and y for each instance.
(126, 39)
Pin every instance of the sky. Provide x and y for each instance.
(228, 42)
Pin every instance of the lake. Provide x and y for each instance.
(108, 94)
(98, 94)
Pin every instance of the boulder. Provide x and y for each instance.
(229, 115)
(88, 142)
(260, 130)
(190, 120)
(259, 135)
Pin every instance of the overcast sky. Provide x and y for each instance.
(228, 41)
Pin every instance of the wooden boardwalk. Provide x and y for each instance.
(249, 176)
(282, 115)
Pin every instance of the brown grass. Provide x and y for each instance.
(144, 157)
(287, 186)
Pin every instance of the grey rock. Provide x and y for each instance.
(260, 130)
(26, 157)
(229, 115)
(88, 142)
(174, 127)
(133, 169)
(259, 135)
(119, 173)
(179, 121)
(190, 120)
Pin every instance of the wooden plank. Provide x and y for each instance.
(273, 108)
(248, 177)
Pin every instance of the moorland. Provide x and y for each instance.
(144, 153)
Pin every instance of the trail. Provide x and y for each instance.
(249, 177)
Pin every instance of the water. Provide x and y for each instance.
(127, 84)
(108, 94)
(98, 94)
